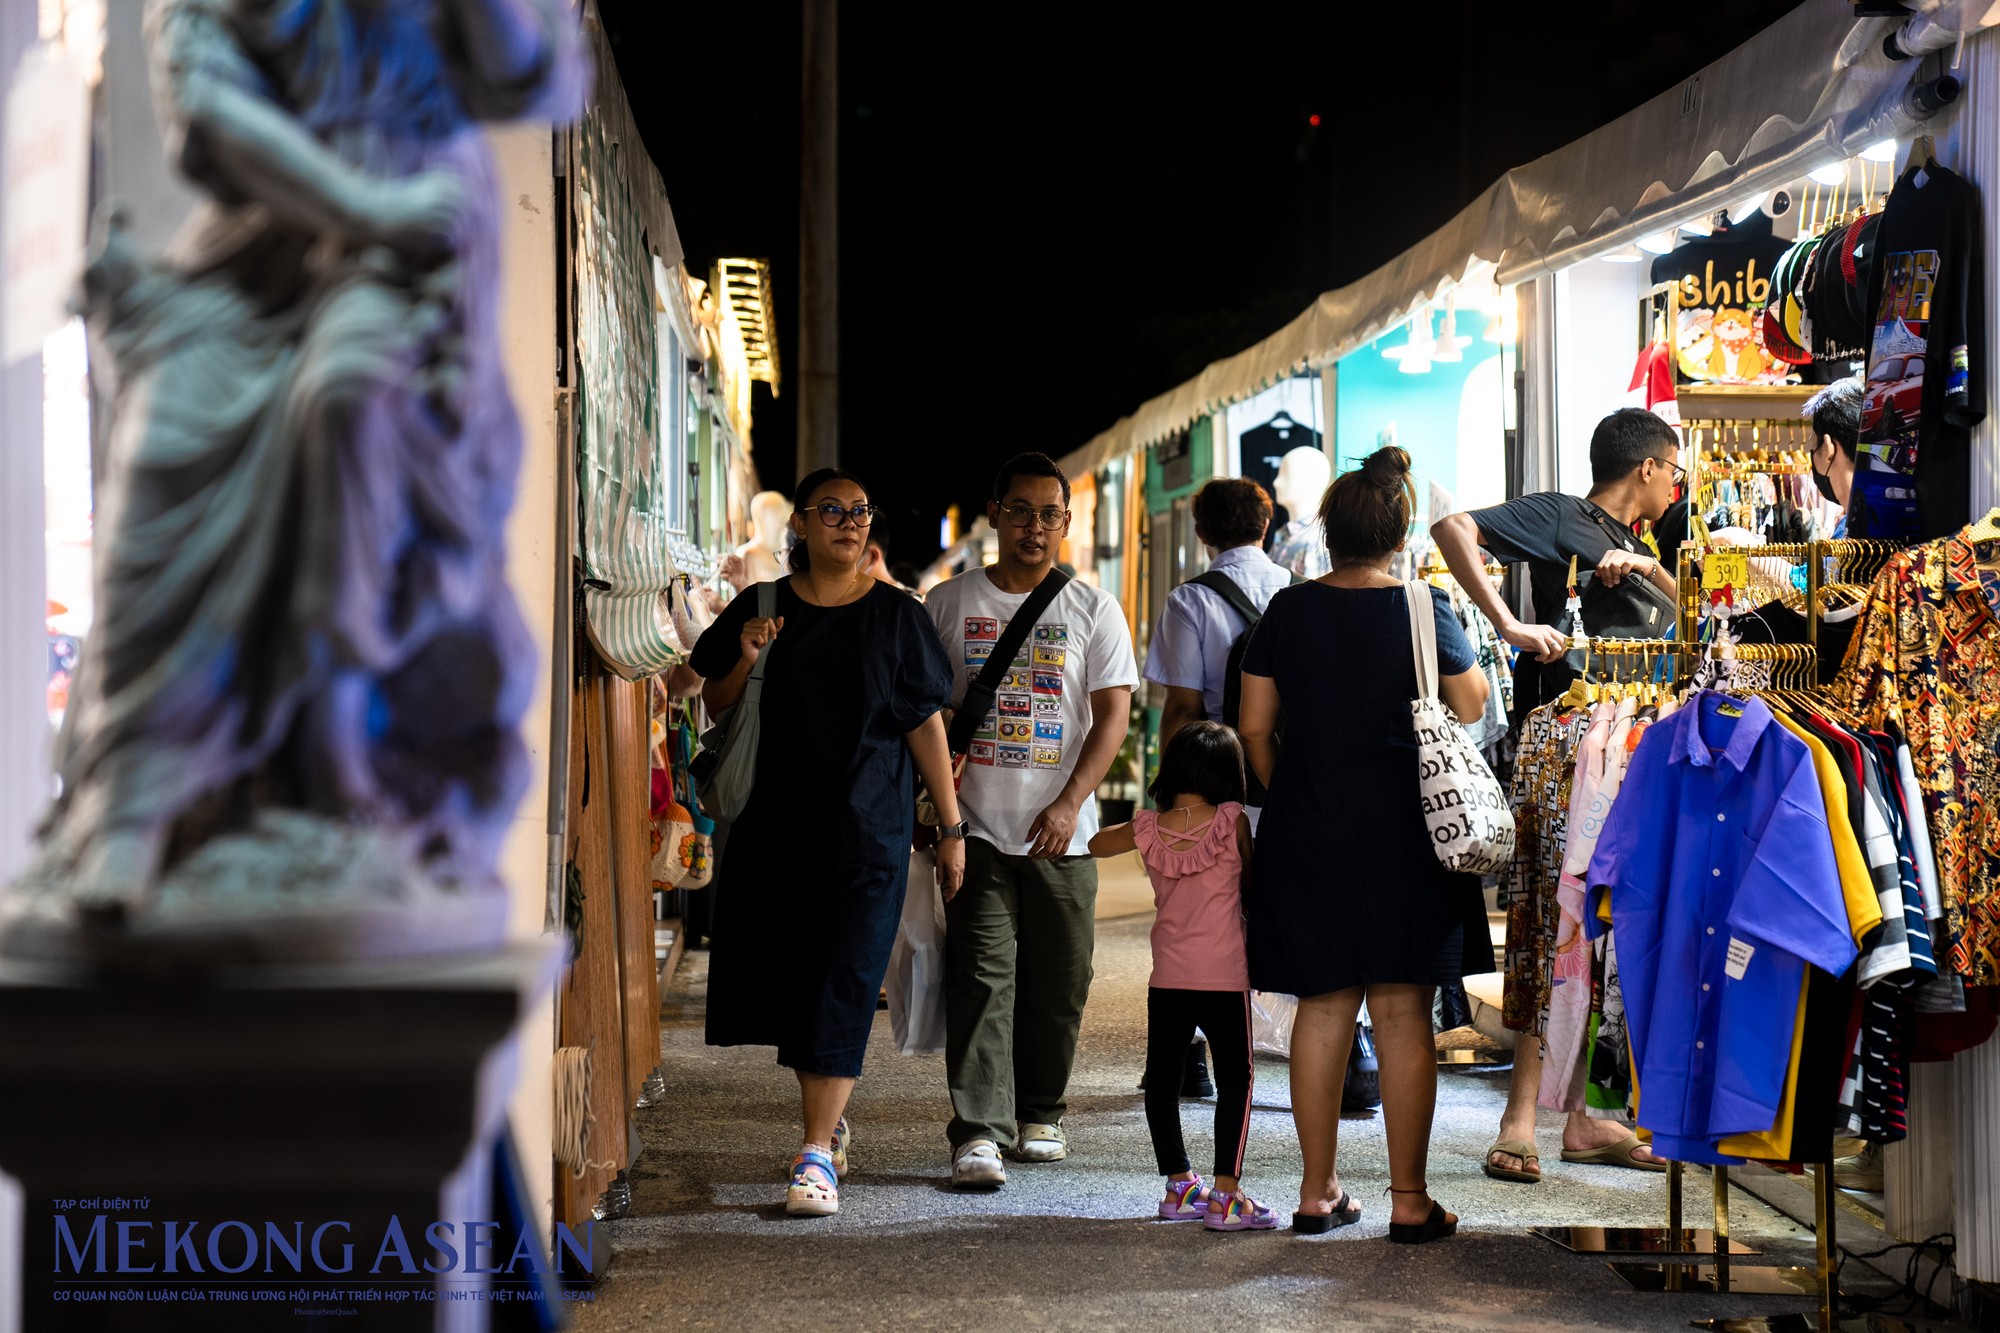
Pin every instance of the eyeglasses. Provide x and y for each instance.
(834, 515)
(1680, 473)
(1048, 515)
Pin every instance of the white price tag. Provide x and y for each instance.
(1740, 955)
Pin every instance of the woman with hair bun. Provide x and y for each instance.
(1347, 897)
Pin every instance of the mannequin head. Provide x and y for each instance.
(770, 511)
(1302, 479)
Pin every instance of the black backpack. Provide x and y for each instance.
(1231, 592)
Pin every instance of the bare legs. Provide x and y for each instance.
(825, 1099)
(1407, 1053)
(1581, 1132)
(1322, 1032)
(1406, 1050)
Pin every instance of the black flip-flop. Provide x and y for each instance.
(1345, 1213)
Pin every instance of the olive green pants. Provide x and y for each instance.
(1017, 944)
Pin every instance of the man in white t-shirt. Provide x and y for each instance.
(1019, 934)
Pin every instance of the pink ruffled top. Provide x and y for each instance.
(1198, 889)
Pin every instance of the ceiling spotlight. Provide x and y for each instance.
(1415, 354)
(1741, 211)
(1451, 344)
(1834, 173)
(1885, 151)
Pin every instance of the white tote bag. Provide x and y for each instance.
(1465, 808)
(916, 963)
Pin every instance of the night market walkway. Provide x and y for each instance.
(1071, 1245)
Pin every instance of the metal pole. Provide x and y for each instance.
(819, 239)
(1823, 1242)
(1677, 1238)
(1721, 1228)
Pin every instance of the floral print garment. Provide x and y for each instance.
(1926, 661)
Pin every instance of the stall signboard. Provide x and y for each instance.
(1722, 283)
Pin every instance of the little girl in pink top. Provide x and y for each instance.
(1196, 846)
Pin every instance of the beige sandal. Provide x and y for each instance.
(1614, 1154)
(1521, 1148)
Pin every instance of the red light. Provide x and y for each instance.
(1313, 121)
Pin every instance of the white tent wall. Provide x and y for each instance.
(1812, 87)
(1596, 343)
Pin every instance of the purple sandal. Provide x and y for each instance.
(1238, 1212)
(1186, 1201)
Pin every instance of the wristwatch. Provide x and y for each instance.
(960, 830)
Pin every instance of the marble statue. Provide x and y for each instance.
(293, 735)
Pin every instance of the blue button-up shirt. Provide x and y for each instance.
(1190, 648)
(1722, 883)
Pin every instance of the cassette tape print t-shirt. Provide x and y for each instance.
(1023, 752)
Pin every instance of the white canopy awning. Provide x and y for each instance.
(1811, 89)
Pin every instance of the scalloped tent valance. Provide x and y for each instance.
(1811, 88)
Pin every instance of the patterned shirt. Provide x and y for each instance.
(1925, 662)
(1544, 771)
(1301, 547)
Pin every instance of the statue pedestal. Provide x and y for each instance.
(203, 1154)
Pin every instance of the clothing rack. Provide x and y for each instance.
(1677, 1262)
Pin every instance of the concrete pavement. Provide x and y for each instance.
(1072, 1246)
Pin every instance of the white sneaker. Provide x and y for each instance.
(978, 1166)
(1040, 1143)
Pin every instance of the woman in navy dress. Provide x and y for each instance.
(1347, 895)
(813, 872)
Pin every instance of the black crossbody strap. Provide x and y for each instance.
(979, 694)
(1231, 592)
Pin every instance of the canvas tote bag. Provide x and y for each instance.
(1465, 808)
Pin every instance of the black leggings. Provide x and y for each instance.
(1171, 1018)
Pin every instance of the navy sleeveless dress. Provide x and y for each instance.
(1345, 889)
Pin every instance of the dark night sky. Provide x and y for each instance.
(1052, 217)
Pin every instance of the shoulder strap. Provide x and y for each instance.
(767, 607)
(1230, 591)
(1423, 636)
(980, 693)
(1018, 629)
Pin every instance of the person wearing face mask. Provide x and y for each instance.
(1835, 412)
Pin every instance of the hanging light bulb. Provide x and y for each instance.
(1834, 173)
(1883, 151)
(1451, 344)
(1659, 243)
(1414, 356)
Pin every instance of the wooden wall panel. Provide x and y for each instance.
(592, 999)
(630, 795)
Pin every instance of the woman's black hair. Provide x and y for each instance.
(799, 558)
(1202, 759)
(1365, 514)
